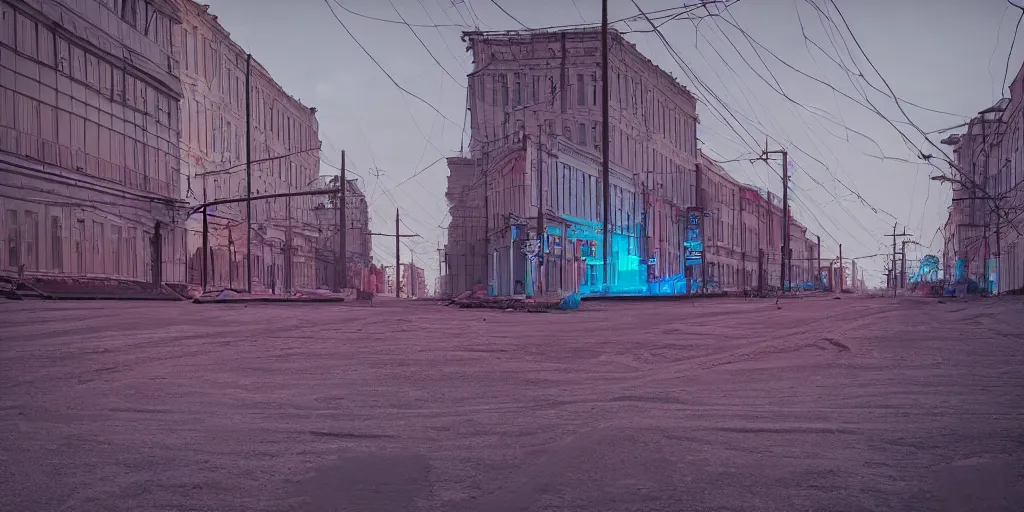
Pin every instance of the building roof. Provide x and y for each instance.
(581, 33)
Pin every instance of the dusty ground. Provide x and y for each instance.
(854, 404)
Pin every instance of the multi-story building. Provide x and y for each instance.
(743, 223)
(283, 144)
(1008, 185)
(982, 229)
(465, 251)
(534, 100)
(89, 156)
(357, 237)
(724, 253)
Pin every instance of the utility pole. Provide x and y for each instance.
(817, 269)
(894, 235)
(903, 263)
(412, 274)
(605, 172)
(785, 210)
(540, 215)
(206, 247)
(248, 172)
(439, 271)
(342, 266)
(842, 270)
(398, 255)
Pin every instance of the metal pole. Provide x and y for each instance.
(248, 172)
(398, 257)
(998, 254)
(206, 247)
(343, 229)
(903, 264)
(605, 173)
(842, 270)
(893, 265)
(785, 219)
(817, 269)
(540, 216)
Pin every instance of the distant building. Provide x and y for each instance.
(89, 156)
(213, 153)
(414, 282)
(741, 222)
(357, 237)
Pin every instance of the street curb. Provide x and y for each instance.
(651, 298)
(267, 299)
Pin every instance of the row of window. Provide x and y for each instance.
(34, 244)
(221, 68)
(647, 104)
(574, 192)
(63, 138)
(144, 18)
(110, 80)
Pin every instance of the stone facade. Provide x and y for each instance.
(535, 116)
(89, 130)
(743, 221)
(213, 152)
(414, 282)
(982, 232)
(465, 252)
(357, 237)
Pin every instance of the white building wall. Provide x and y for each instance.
(88, 141)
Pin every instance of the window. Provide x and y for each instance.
(581, 91)
(536, 88)
(517, 97)
(132, 255)
(97, 248)
(593, 89)
(581, 134)
(115, 249)
(31, 241)
(80, 245)
(56, 244)
(184, 48)
(13, 240)
(504, 89)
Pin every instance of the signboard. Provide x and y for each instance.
(531, 247)
(693, 247)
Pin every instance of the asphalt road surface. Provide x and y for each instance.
(726, 405)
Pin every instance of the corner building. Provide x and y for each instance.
(534, 101)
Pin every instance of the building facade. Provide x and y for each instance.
(982, 239)
(534, 101)
(743, 235)
(283, 146)
(357, 237)
(89, 130)
(414, 282)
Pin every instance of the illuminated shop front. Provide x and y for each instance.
(574, 259)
